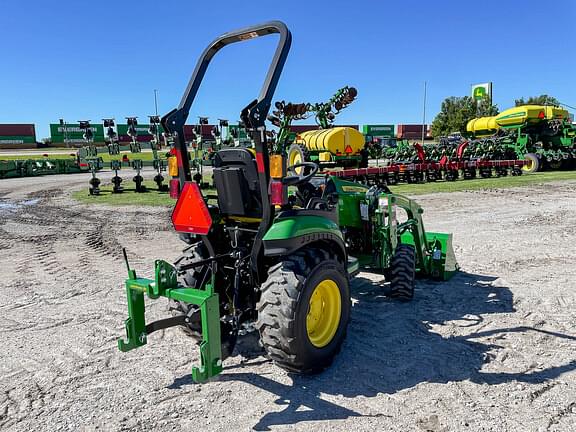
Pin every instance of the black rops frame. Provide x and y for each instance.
(253, 115)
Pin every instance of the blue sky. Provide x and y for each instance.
(88, 60)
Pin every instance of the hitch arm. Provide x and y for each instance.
(165, 285)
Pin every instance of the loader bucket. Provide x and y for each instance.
(439, 260)
(445, 267)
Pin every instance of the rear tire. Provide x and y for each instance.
(403, 273)
(291, 313)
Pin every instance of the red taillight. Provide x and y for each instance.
(174, 188)
(277, 193)
(191, 213)
(260, 162)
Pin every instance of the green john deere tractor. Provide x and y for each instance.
(261, 258)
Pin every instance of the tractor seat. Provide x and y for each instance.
(237, 183)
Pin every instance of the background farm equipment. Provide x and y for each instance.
(158, 163)
(128, 155)
(261, 259)
(208, 139)
(526, 138)
(204, 144)
(327, 145)
(330, 146)
(449, 160)
(90, 156)
(36, 167)
(113, 149)
(429, 171)
(138, 179)
(116, 166)
(542, 134)
(239, 137)
(136, 148)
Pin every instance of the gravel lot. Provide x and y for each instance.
(492, 350)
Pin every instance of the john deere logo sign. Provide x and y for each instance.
(479, 93)
(482, 91)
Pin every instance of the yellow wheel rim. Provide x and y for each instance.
(294, 159)
(323, 313)
(528, 165)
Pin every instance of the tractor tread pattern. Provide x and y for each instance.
(403, 273)
(277, 308)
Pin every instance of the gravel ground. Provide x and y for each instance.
(494, 349)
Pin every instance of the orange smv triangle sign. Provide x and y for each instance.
(191, 214)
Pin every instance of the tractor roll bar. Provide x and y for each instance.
(174, 121)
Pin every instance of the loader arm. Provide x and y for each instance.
(434, 253)
(415, 226)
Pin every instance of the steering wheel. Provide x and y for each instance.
(294, 180)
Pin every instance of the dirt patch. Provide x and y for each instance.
(493, 349)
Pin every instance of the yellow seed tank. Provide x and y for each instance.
(515, 117)
(334, 140)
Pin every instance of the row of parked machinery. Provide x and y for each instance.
(91, 155)
(526, 138)
(542, 136)
(345, 152)
(523, 139)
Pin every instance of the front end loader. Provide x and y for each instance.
(275, 249)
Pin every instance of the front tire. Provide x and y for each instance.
(304, 310)
(403, 273)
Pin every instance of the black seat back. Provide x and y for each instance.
(236, 182)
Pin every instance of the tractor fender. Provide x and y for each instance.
(293, 231)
